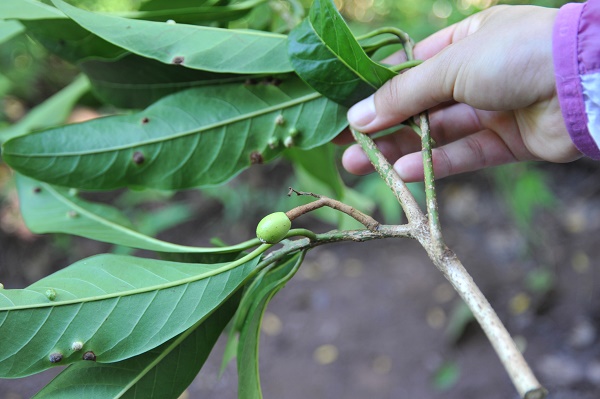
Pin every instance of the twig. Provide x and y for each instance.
(391, 178)
(322, 201)
(430, 195)
(293, 246)
(451, 267)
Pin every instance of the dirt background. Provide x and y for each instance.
(374, 320)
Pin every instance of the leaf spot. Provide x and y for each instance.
(37, 190)
(178, 60)
(55, 357)
(288, 142)
(273, 143)
(77, 346)
(256, 158)
(50, 294)
(145, 120)
(138, 158)
(72, 214)
(270, 80)
(89, 356)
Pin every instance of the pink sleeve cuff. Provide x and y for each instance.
(576, 50)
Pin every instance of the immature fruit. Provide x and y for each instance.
(273, 228)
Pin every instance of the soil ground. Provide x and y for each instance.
(372, 320)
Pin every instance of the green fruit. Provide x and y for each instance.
(273, 228)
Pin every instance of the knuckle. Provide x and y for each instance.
(442, 163)
(476, 151)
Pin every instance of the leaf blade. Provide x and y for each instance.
(117, 306)
(238, 123)
(325, 54)
(247, 360)
(163, 372)
(196, 47)
(51, 209)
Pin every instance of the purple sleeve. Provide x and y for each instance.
(576, 49)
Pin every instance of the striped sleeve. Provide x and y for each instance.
(576, 51)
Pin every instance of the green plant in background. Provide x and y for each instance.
(207, 101)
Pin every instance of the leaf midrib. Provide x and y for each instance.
(143, 290)
(151, 240)
(138, 144)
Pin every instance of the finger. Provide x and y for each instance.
(391, 146)
(474, 152)
(419, 88)
(452, 122)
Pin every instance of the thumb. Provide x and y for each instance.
(421, 87)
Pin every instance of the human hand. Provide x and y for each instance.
(489, 84)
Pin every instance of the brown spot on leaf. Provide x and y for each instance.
(145, 120)
(138, 158)
(55, 357)
(178, 60)
(256, 158)
(89, 355)
(37, 190)
(270, 80)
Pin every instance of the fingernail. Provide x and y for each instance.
(362, 113)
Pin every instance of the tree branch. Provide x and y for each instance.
(451, 267)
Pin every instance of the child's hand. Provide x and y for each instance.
(489, 82)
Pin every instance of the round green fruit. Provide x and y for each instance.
(273, 228)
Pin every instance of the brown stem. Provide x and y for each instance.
(322, 201)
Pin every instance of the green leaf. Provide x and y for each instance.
(9, 29)
(161, 373)
(195, 47)
(116, 306)
(326, 55)
(70, 41)
(28, 10)
(195, 14)
(155, 5)
(171, 145)
(51, 112)
(136, 82)
(53, 209)
(259, 296)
